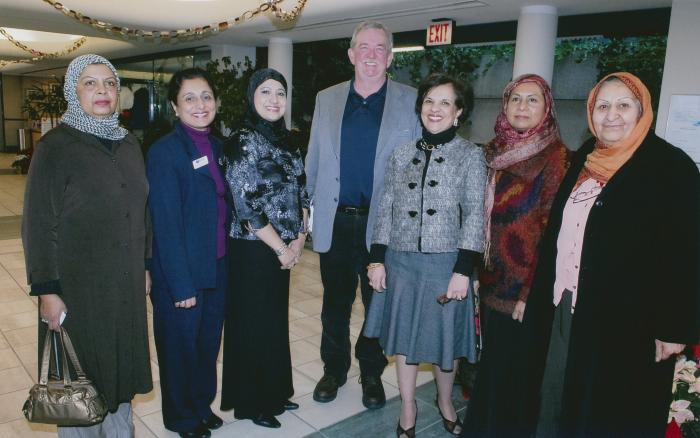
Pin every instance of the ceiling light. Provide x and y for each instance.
(27, 36)
(407, 49)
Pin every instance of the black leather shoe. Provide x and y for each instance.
(265, 420)
(327, 388)
(373, 396)
(290, 405)
(213, 422)
(198, 432)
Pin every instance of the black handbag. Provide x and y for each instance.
(63, 401)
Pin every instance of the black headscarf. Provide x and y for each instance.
(276, 131)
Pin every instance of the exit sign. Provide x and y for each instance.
(439, 33)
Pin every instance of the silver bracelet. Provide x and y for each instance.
(279, 252)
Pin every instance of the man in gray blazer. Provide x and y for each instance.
(356, 126)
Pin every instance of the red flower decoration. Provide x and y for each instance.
(673, 430)
(696, 351)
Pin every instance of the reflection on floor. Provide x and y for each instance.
(344, 417)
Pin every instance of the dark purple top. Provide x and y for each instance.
(203, 145)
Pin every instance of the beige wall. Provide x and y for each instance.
(682, 58)
(12, 103)
(12, 96)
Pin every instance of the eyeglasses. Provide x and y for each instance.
(585, 195)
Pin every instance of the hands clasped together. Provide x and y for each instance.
(289, 255)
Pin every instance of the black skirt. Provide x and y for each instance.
(257, 367)
(492, 410)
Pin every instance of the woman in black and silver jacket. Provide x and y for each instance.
(266, 176)
(426, 242)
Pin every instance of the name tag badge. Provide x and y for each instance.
(199, 162)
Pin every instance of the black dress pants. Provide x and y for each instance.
(257, 367)
(341, 267)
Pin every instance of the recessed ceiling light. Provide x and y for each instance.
(407, 49)
(37, 36)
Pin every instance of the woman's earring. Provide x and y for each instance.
(455, 123)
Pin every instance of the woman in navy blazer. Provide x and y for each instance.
(188, 205)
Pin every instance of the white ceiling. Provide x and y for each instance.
(320, 20)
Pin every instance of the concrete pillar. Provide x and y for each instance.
(534, 45)
(280, 57)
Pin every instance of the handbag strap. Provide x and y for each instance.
(45, 357)
(68, 349)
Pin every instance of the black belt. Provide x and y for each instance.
(353, 211)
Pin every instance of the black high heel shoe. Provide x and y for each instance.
(411, 431)
(408, 433)
(449, 426)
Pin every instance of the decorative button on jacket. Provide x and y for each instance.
(450, 203)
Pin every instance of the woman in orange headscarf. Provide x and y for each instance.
(616, 290)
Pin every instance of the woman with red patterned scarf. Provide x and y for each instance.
(526, 161)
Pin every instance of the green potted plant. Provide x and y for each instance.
(231, 82)
(41, 100)
(45, 100)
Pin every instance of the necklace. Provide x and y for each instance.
(424, 145)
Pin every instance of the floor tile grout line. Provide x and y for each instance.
(312, 378)
(305, 422)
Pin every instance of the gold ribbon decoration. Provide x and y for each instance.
(36, 54)
(183, 34)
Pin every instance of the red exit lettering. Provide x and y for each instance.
(439, 33)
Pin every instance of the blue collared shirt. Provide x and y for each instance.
(358, 145)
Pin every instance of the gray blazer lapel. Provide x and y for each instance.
(389, 116)
(335, 117)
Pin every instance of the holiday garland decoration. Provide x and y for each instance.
(268, 6)
(36, 54)
(183, 34)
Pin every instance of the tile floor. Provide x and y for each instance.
(344, 417)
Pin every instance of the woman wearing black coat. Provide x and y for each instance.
(84, 236)
(615, 295)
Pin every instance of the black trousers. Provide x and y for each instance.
(257, 368)
(552, 392)
(341, 268)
